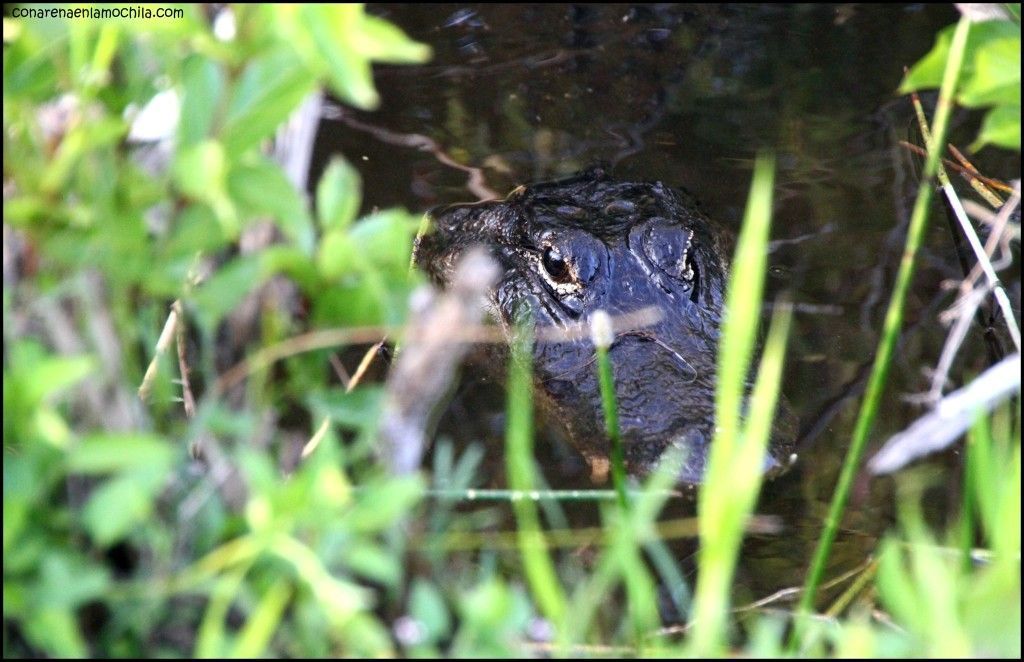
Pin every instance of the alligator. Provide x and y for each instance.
(571, 247)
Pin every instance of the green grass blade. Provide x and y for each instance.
(626, 535)
(540, 571)
(601, 330)
(256, 635)
(891, 327)
(731, 487)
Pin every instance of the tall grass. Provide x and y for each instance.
(891, 327)
(601, 332)
(736, 459)
(540, 571)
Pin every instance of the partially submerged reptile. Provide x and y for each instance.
(570, 247)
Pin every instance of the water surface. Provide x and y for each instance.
(688, 95)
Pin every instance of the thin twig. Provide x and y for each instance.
(996, 236)
(472, 494)
(315, 440)
(972, 176)
(682, 528)
(979, 182)
(364, 365)
(339, 370)
(951, 417)
(983, 261)
(168, 333)
(777, 596)
(325, 338)
(476, 184)
(961, 313)
(187, 399)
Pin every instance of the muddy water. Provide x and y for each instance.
(688, 95)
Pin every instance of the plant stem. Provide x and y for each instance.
(890, 330)
(736, 458)
(601, 331)
(540, 571)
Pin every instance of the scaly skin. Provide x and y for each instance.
(570, 247)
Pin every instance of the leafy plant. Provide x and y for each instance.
(990, 76)
(135, 157)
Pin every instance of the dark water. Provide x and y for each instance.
(688, 95)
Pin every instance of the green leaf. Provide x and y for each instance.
(200, 170)
(109, 453)
(383, 41)
(55, 630)
(426, 605)
(365, 636)
(493, 617)
(225, 289)
(385, 240)
(119, 504)
(378, 505)
(349, 304)
(349, 73)
(339, 256)
(195, 230)
(202, 81)
(260, 187)
(52, 374)
(995, 75)
(271, 87)
(255, 636)
(31, 58)
(895, 586)
(338, 195)
(1001, 127)
(373, 562)
(293, 263)
(68, 579)
(352, 410)
(927, 72)
(22, 492)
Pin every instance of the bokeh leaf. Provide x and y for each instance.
(223, 291)
(259, 187)
(119, 504)
(200, 170)
(385, 240)
(426, 605)
(339, 256)
(382, 41)
(202, 83)
(271, 87)
(349, 73)
(338, 195)
(109, 453)
(996, 35)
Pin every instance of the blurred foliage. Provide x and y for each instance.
(137, 160)
(136, 152)
(990, 76)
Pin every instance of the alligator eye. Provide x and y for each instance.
(555, 265)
